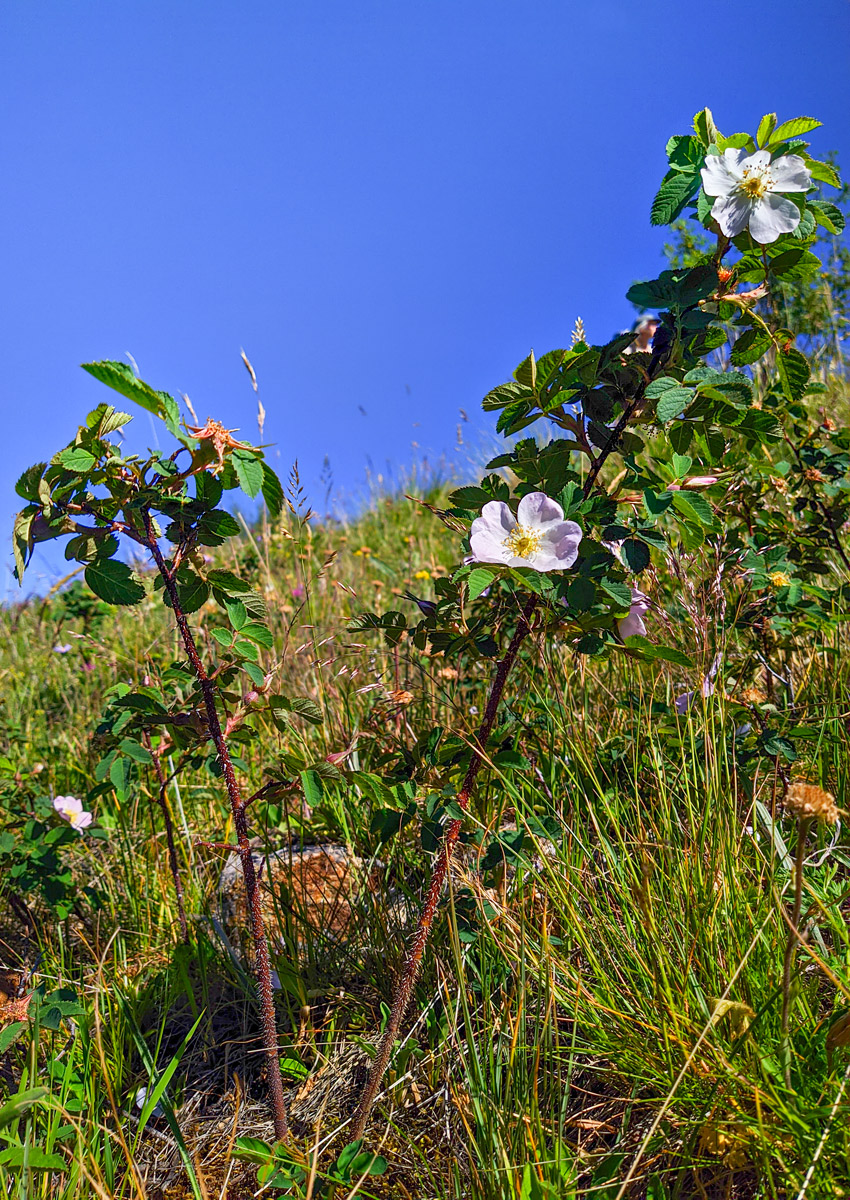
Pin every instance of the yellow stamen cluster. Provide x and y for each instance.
(523, 541)
(756, 183)
(779, 579)
(811, 803)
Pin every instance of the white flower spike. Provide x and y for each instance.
(537, 537)
(71, 809)
(746, 187)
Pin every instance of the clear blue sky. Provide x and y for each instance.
(386, 203)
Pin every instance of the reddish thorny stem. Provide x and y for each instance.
(261, 947)
(162, 801)
(422, 932)
(438, 877)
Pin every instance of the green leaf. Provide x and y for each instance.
(227, 582)
(76, 459)
(223, 636)
(636, 554)
(121, 775)
(237, 613)
(479, 580)
(32, 1157)
(672, 403)
(676, 190)
(114, 582)
(752, 345)
(140, 753)
(249, 472)
(705, 128)
(9, 1034)
(619, 592)
(192, 590)
(766, 127)
(823, 172)
(120, 377)
(829, 216)
(685, 153)
(308, 709)
(581, 594)
(105, 420)
(260, 634)
(658, 387)
(216, 526)
(794, 373)
(27, 485)
(246, 649)
(208, 489)
(695, 507)
(796, 127)
(272, 491)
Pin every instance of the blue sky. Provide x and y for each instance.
(386, 203)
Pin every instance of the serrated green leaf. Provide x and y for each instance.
(695, 506)
(619, 592)
(823, 172)
(28, 481)
(246, 649)
(829, 216)
(659, 386)
(752, 345)
(705, 128)
(121, 378)
(136, 751)
(794, 372)
(237, 613)
(208, 489)
(9, 1034)
(272, 491)
(249, 472)
(76, 459)
(675, 192)
(765, 129)
(673, 402)
(479, 580)
(260, 634)
(225, 581)
(114, 582)
(796, 127)
(636, 554)
(224, 637)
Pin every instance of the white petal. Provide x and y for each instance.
(772, 216)
(790, 174)
(536, 510)
(486, 545)
(496, 516)
(756, 162)
(630, 625)
(732, 213)
(82, 820)
(722, 172)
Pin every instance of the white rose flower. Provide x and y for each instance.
(71, 809)
(633, 624)
(746, 187)
(537, 537)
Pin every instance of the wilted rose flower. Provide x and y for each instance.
(537, 537)
(71, 809)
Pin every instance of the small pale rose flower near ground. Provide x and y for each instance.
(632, 624)
(688, 699)
(62, 649)
(537, 537)
(71, 809)
(747, 187)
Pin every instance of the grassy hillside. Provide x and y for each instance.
(601, 1011)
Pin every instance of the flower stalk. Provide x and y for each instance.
(262, 965)
(413, 960)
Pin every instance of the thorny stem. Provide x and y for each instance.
(413, 961)
(261, 947)
(162, 801)
(793, 938)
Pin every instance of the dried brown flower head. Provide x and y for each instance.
(811, 803)
(220, 438)
(813, 475)
(753, 695)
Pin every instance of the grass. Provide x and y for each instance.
(600, 1010)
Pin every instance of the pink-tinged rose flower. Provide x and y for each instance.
(71, 809)
(633, 624)
(696, 481)
(537, 537)
(746, 187)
